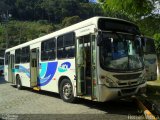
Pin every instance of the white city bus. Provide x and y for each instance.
(1, 65)
(97, 59)
(150, 59)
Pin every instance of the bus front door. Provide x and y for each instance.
(80, 67)
(34, 63)
(86, 66)
(11, 77)
(93, 68)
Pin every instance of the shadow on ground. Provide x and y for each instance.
(122, 107)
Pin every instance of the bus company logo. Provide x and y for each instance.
(64, 67)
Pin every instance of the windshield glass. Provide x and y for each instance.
(120, 52)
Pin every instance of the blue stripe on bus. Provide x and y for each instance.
(24, 70)
(51, 70)
(48, 70)
(15, 70)
(43, 67)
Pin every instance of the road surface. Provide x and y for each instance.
(46, 104)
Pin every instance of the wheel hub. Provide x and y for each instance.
(67, 91)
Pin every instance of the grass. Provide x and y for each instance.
(158, 81)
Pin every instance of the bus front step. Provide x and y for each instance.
(36, 88)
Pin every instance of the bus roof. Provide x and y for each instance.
(85, 23)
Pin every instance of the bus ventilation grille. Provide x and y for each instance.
(127, 77)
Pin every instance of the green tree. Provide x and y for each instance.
(157, 42)
(149, 25)
(135, 9)
(70, 20)
(19, 32)
(57, 10)
(28, 10)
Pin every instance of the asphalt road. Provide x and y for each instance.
(46, 105)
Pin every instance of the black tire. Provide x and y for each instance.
(18, 82)
(66, 91)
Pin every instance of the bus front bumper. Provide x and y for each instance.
(106, 94)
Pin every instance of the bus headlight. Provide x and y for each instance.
(110, 82)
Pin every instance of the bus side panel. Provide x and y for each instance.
(50, 75)
(23, 70)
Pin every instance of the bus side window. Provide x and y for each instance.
(25, 57)
(18, 56)
(65, 46)
(48, 49)
(71, 52)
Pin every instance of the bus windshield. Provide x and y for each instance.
(120, 52)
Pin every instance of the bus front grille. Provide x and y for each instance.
(129, 83)
(127, 77)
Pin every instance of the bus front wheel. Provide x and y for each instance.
(66, 91)
(18, 82)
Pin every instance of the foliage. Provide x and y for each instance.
(17, 32)
(51, 10)
(157, 42)
(132, 8)
(149, 25)
(70, 20)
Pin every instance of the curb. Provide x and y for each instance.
(148, 115)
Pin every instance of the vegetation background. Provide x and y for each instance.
(24, 20)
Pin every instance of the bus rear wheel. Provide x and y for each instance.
(18, 82)
(66, 91)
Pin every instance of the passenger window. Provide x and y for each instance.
(69, 39)
(25, 54)
(65, 46)
(18, 56)
(48, 49)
